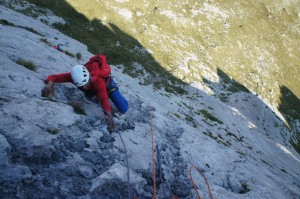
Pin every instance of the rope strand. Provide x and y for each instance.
(153, 160)
(154, 170)
(127, 164)
(206, 181)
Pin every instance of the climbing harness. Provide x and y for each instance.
(110, 85)
(114, 94)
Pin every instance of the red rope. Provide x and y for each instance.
(191, 177)
(206, 181)
(153, 160)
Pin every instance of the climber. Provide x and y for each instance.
(89, 78)
(59, 48)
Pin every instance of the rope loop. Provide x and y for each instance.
(201, 172)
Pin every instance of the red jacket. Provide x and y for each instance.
(99, 70)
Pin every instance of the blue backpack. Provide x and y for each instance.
(114, 94)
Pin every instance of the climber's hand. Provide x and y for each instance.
(112, 126)
(48, 90)
(110, 121)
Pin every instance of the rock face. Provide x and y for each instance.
(116, 175)
(47, 150)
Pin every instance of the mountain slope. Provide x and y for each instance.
(168, 44)
(257, 43)
(47, 150)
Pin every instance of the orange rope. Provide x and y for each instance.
(206, 181)
(154, 173)
(153, 160)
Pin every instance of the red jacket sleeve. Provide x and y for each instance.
(99, 89)
(60, 78)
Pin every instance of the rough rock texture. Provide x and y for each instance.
(47, 150)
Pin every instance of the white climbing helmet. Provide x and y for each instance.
(80, 75)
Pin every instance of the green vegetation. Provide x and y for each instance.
(189, 107)
(245, 187)
(190, 120)
(283, 170)
(239, 139)
(254, 48)
(219, 139)
(46, 41)
(118, 45)
(32, 30)
(290, 107)
(78, 109)
(230, 84)
(210, 135)
(27, 64)
(241, 153)
(53, 131)
(207, 165)
(265, 162)
(183, 41)
(209, 116)
(69, 53)
(78, 56)
(177, 115)
(5, 22)
(295, 141)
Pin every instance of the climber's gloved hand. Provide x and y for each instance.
(110, 121)
(48, 90)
